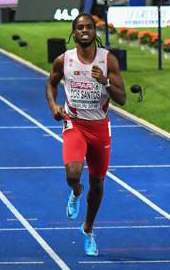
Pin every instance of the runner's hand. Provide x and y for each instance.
(97, 73)
(58, 112)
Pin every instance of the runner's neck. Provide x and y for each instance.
(86, 55)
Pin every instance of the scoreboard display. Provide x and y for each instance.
(4, 3)
(48, 10)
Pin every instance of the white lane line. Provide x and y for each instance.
(21, 79)
(159, 217)
(95, 227)
(30, 118)
(49, 135)
(7, 263)
(35, 127)
(26, 127)
(139, 190)
(33, 168)
(124, 262)
(141, 166)
(34, 233)
(15, 219)
(139, 195)
(126, 126)
(63, 167)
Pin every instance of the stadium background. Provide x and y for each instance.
(36, 26)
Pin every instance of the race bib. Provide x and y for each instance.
(67, 124)
(83, 95)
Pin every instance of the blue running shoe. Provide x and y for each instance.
(73, 206)
(90, 246)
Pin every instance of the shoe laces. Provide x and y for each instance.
(90, 237)
(91, 243)
(73, 199)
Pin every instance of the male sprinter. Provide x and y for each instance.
(91, 78)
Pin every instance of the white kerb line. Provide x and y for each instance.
(34, 233)
(113, 177)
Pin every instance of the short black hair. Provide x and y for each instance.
(83, 15)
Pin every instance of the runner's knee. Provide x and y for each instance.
(73, 172)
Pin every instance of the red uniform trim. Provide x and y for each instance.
(73, 110)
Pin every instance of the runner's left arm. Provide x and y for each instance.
(116, 89)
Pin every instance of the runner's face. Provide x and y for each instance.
(84, 32)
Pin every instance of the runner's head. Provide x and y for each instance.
(84, 31)
(90, 17)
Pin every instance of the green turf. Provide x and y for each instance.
(142, 65)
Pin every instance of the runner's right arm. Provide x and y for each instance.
(56, 75)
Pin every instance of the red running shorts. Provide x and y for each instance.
(90, 139)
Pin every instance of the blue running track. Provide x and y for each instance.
(133, 225)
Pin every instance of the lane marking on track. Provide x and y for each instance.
(27, 127)
(35, 127)
(63, 167)
(7, 263)
(124, 262)
(15, 219)
(34, 233)
(142, 166)
(159, 217)
(33, 168)
(95, 227)
(22, 79)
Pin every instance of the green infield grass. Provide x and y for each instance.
(142, 65)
